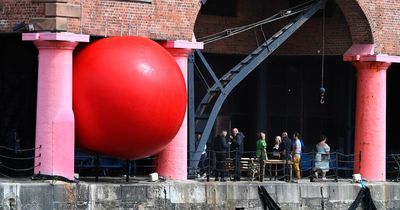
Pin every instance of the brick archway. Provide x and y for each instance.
(373, 22)
(357, 21)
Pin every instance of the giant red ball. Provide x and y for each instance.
(129, 97)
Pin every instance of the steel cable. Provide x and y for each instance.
(236, 30)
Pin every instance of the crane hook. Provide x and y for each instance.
(322, 91)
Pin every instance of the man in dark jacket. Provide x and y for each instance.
(286, 146)
(287, 149)
(237, 146)
(221, 149)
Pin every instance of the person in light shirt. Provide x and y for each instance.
(322, 157)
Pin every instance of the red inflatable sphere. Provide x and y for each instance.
(129, 97)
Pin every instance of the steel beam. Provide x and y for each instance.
(245, 68)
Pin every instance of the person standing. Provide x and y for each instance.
(276, 150)
(201, 166)
(296, 154)
(221, 149)
(322, 157)
(287, 146)
(237, 145)
(261, 153)
(286, 154)
(277, 154)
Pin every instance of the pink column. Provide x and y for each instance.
(54, 116)
(370, 131)
(370, 124)
(172, 161)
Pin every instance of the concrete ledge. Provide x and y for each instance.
(183, 44)
(314, 190)
(190, 195)
(134, 193)
(49, 24)
(62, 10)
(105, 192)
(365, 52)
(288, 193)
(63, 36)
(343, 192)
(216, 193)
(187, 193)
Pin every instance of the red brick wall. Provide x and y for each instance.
(161, 19)
(13, 12)
(370, 21)
(384, 19)
(306, 41)
(353, 21)
(361, 34)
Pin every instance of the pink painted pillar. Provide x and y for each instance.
(370, 131)
(54, 116)
(172, 161)
(370, 125)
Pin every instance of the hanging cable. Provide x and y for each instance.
(322, 89)
(262, 31)
(203, 79)
(255, 35)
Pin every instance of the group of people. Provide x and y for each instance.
(223, 145)
(284, 148)
(287, 149)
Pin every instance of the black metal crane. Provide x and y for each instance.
(207, 111)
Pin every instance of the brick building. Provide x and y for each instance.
(154, 19)
(283, 94)
(370, 22)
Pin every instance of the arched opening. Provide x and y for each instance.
(359, 26)
(283, 94)
(361, 33)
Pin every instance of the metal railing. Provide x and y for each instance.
(20, 163)
(17, 162)
(341, 166)
(95, 165)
